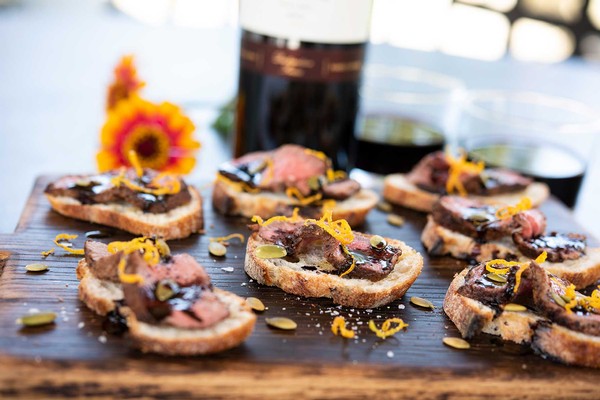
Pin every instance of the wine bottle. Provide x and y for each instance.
(300, 72)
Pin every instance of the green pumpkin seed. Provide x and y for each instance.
(36, 268)
(378, 242)
(314, 183)
(418, 301)
(496, 277)
(37, 319)
(384, 206)
(255, 304)
(163, 248)
(514, 307)
(395, 220)
(558, 299)
(270, 251)
(456, 343)
(282, 323)
(217, 249)
(166, 289)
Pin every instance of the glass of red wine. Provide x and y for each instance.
(405, 113)
(548, 138)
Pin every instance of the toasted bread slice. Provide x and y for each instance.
(100, 296)
(440, 241)
(177, 223)
(397, 189)
(472, 317)
(230, 201)
(350, 292)
(567, 346)
(168, 340)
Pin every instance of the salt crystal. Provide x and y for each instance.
(390, 354)
(401, 306)
(227, 269)
(102, 339)
(81, 325)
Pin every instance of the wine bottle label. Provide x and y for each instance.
(317, 21)
(306, 64)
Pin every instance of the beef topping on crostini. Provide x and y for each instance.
(559, 247)
(433, 171)
(300, 239)
(176, 293)
(100, 189)
(100, 261)
(496, 289)
(289, 167)
(557, 299)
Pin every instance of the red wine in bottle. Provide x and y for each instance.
(300, 71)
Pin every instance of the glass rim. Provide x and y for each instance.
(446, 85)
(590, 115)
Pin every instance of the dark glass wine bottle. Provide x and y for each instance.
(300, 71)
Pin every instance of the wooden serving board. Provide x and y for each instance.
(74, 357)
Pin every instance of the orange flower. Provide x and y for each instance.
(160, 134)
(126, 83)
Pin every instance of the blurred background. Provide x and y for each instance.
(56, 60)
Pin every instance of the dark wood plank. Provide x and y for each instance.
(309, 362)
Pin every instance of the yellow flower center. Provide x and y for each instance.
(151, 146)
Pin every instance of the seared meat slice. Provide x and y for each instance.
(192, 305)
(372, 263)
(341, 189)
(98, 189)
(300, 239)
(479, 287)
(431, 173)
(530, 223)
(499, 180)
(471, 218)
(547, 296)
(101, 263)
(558, 246)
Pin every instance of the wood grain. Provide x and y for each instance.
(71, 359)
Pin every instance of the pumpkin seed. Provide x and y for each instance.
(395, 220)
(378, 242)
(165, 290)
(456, 343)
(270, 251)
(418, 301)
(37, 319)
(255, 304)
(163, 248)
(36, 267)
(217, 249)
(283, 323)
(496, 277)
(558, 299)
(514, 307)
(314, 183)
(384, 206)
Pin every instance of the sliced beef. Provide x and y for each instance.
(531, 223)
(289, 166)
(471, 218)
(431, 173)
(578, 320)
(102, 264)
(98, 189)
(479, 287)
(372, 263)
(340, 190)
(298, 239)
(193, 304)
(559, 247)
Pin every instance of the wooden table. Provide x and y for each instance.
(75, 357)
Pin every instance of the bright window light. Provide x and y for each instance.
(475, 33)
(533, 40)
(593, 12)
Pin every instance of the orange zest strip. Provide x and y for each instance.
(386, 328)
(60, 240)
(294, 218)
(509, 211)
(125, 277)
(459, 166)
(228, 237)
(338, 327)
